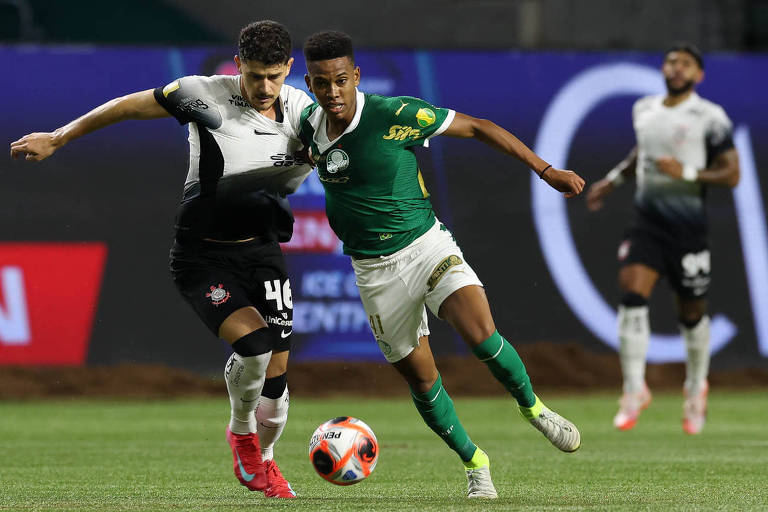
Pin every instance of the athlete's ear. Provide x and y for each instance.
(699, 76)
(357, 76)
(237, 62)
(308, 82)
(288, 66)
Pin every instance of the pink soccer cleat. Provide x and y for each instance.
(630, 406)
(277, 485)
(246, 452)
(695, 411)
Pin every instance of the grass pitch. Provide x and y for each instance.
(171, 455)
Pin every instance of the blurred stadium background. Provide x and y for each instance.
(85, 235)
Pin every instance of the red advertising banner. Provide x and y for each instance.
(311, 233)
(48, 296)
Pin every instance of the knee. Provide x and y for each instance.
(633, 300)
(690, 319)
(421, 386)
(255, 343)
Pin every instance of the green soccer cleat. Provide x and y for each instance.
(479, 483)
(560, 432)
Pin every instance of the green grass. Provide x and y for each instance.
(171, 455)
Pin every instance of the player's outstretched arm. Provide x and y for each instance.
(465, 126)
(615, 177)
(722, 172)
(139, 105)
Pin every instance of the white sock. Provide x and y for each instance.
(271, 416)
(634, 335)
(697, 363)
(245, 378)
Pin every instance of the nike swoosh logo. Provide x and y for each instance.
(257, 132)
(284, 334)
(246, 476)
(397, 112)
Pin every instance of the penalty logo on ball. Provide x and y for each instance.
(343, 450)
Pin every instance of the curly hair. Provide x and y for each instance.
(266, 41)
(688, 48)
(328, 45)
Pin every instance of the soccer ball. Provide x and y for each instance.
(343, 450)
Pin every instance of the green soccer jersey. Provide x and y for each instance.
(375, 197)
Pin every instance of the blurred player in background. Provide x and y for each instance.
(226, 261)
(684, 145)
(403, 257)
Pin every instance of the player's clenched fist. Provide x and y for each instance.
(564, 181)
(35, 146)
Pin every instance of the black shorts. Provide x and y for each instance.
(686, 264)
(217, 279)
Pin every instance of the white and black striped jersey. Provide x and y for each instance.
(693, 132)
(241, 163)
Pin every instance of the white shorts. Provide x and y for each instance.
(395, 288)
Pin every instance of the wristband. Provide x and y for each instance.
(690, 173)
(541, 174)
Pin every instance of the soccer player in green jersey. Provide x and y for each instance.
(403, 257)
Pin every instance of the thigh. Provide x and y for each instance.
(689, 270)
(418, 368)
(214, 293)
(269, 290)
(443, 270)
(397, 318)
(642, 263)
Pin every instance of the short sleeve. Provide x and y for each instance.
(418, 120)
(719, 133)
(188, 100)
(298, 101)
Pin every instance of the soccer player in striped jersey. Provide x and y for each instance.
(684, 145)
(403, 257)
(226, 259)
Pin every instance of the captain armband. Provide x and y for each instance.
(690, 173)
(615, 176)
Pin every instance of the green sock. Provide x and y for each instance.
(504, 363)
(436, 407)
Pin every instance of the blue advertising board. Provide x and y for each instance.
(540, 256)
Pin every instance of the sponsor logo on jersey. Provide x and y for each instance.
(385, 347)
(441, 269)
(425, 117)
(404, 104)
(283, 160)
(189, 105)
(340, 179)
(238, 101)
(168, 89)
(402, 132)
(337, 160)
(385, 236)
(218, 295)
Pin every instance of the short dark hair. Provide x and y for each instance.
(688, 48)
(266, 41)
(328, 45)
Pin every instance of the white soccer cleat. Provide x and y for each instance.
(630, 406)
(695, 411)
(560, 432)
(479, 483)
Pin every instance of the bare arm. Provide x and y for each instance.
(139, 105)
(464, 126)
(615, 177)
(722, 172)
